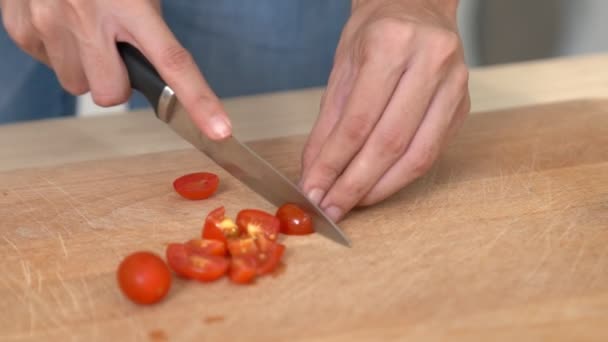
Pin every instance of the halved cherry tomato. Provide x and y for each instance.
(144, 277)
(256, 223)
(242, 246)
(196, 186)
(206, 247)
(269, 257)
(195, 266)
(294, 220)
(219, 227)
(243, 269)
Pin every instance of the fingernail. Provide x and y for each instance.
(315, 196)
(334, 213)
(220, 126)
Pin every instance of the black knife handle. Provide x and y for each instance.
(142, 74)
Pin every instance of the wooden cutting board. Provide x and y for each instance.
(505, 239)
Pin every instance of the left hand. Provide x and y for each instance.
(397, 91)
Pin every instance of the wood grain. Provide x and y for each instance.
(505, 239)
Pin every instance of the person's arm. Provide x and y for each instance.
(398, 90)
(77, 39)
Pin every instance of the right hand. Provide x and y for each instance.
(77, 39)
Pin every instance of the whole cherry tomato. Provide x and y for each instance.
(144, 277)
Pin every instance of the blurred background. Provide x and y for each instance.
(499, 31)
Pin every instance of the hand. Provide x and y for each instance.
(77, 39)
(397, 91)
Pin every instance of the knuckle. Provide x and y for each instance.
(393, 142)
(443, 46)
(421, 160)
(387, 41)
(353, 190)
(42, 16)
(176, 58)
(355, 130)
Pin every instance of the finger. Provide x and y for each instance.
(59, 45)
(178, 69)
(426, 144)
(15, 16)
(332, 104)
(106, 74)
(371, 92)
(388, 141)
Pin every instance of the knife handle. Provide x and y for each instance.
(142, 74)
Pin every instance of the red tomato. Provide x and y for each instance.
(144, 278)
(206, 247)
(195, 266)
(270, 257)
(294, 220)
(219, 227)
(256, 223)
(196, 186)
(243, 269)
(242, 246)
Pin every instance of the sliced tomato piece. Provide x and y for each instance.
(269, 258)
(294, 220)
(219, 227)
(195, 266)
(242, 246)
(196, 186)
(206, 247)
(243, 269)
(256, 223)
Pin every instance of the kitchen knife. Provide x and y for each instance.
(232, 155)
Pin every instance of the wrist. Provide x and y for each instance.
(448, 7)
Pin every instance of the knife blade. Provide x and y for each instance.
(230, 154)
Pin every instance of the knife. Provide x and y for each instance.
(232, 155)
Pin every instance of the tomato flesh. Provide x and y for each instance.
(197, 186)
(144, 278)
(195, 266)
(242, 246)
(256, 223)
(219, 227)
(294, 220)
(206, 247)
(243, 269)
(270, 258)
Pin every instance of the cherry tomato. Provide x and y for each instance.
(206, 247)
(219, 227)
(195, 266)
(269, 257)
(256, 223)
(243, 269)
(196, 186)
(294, 220)
(144, 278)
(242, 246)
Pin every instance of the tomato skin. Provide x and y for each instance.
(270, 258)
(219, 227)
(243, 269)
(196, 186)
(195, 266)
(206, 247)
(255, 223)
(294, 220)
(144, 277)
